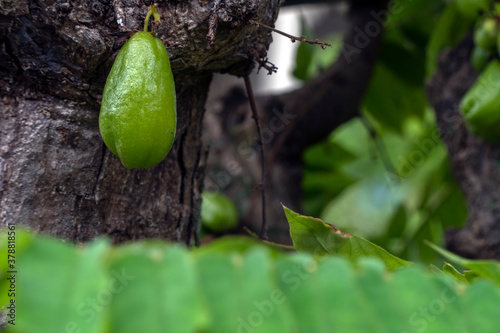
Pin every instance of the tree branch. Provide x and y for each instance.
(474, 162)
(334, 97)
(255, 114)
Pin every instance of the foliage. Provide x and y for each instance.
(395, 189)
(241, 285)
(385, 176)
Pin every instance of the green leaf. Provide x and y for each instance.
(450, 29)
(489, 269)
(57, 278)
(407, 62)
(241, 293)
(450, 270)
(319, 238)
(480, 104)
(311, 59)
(390, 100)
(470, 275)
(486, 295)
(473, 8)
(228, 245)
(152, 286)
(375, 201)
(305, 54)
(155, 290)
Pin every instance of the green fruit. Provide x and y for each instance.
(485, 34)
(138, 113)
(479, 58)
(480, 106)
(218, 212)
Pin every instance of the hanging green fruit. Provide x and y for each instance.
(480, 106)
(138, 112)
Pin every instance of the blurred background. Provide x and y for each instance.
(383, 175)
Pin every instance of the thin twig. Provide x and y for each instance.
(294, 39)
(264, 63)
(267, 65)
(253, 106)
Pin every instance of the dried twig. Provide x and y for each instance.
(294, 39)
(267, 65)
(253, 106)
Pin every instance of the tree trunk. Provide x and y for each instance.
(474, 162)
(57, 175)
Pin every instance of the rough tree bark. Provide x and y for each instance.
(475, 163)
(57, 176)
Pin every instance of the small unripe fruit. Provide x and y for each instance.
(138, 112)
(218, 212)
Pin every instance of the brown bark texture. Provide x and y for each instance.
(475, 163)
(56, 174)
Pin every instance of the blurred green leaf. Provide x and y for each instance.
(390, 100)
(406, 61)
(153, 286)
(304, 58)
(471, 275)
(397, 223)
(416, 14)
(473, 8)
(228, 245)
(489, 269)
(401, 196)
(241, 293)
(450, 270)
(311, 59)
(365, 208)
(155, 290)
(57, 278)
(450, 29)
(326, 156)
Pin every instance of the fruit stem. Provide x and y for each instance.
(151, 11)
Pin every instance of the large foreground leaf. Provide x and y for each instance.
(58, 280)
(157, 287)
